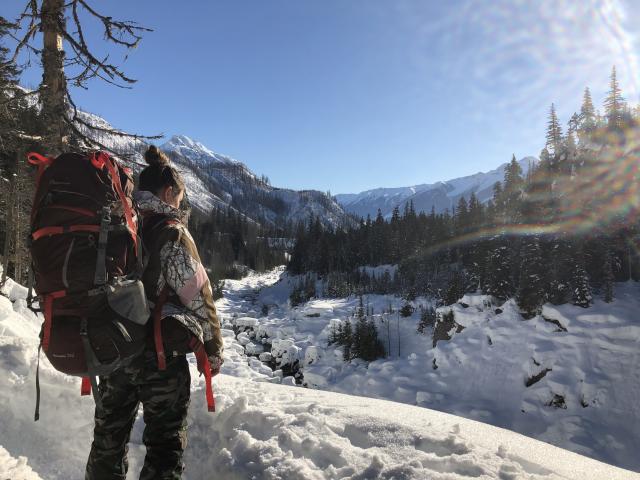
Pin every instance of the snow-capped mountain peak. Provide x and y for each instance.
(195, 151)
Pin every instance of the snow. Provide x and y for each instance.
(379, 270)
(267, 430)
(195, 151)
(15, 468)
(483, 371)
(441, 195)
(214, 180)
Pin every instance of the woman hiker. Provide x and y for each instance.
(173, 273)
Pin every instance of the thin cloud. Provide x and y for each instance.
(521, 55)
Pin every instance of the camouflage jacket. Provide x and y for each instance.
(173, 261)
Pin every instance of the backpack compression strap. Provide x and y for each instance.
(204, 367)
(101, 160)
(157, 328)
(42, 163)
(48, 315)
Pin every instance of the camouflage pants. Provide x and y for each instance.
(165, 401)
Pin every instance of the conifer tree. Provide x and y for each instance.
(554, 132)
(498, 203)
(557, 256)
(580, 282)
(460, 217)
(347, 341)
(499, 283)
(8, 91)
(427, 319)
(614, 104)
(530, 295)
(608, 277)
(475, 212)
(455, 289)
(513, 187)
(587, 114)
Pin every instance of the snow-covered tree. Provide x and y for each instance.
(427, 319)
(582, 296)
(499, 283)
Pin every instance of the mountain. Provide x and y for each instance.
(440, 195)
(217, 181)
(233, 184)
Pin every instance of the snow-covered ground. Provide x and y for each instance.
(570, 377)
(264, 430)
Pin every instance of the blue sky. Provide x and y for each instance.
(347, 95)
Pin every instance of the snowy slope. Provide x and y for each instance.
(262, 430)
(482, 373)
(440, 195)
(239, 187)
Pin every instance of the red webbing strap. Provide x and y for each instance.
(157, 328)
(205, 368)
(106, 160)
(39, 161)
(48, 315)
(85, 387)
(42, 163)
(56, 230)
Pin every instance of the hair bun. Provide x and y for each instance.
(155, 158)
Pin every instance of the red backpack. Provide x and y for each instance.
(86, 263)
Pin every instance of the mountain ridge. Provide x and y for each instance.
(441, 195)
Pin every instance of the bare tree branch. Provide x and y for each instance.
(86, 64)
(123, 28)
(76, 118)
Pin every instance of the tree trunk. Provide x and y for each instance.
(9, 231)
(53, 79)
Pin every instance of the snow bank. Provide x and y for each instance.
(15, 468)
(265, 431)
(568, 377)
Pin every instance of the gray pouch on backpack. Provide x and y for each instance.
(127, 299)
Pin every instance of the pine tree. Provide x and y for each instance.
(498, 203)
(460, 217)
(475, 212)
(580, 283)
(554, 132)
(8, 90)
(455, 289)
(498, 282)
(614, 104)
(557, 256)
(427, 319)
(334, 334)
(587, 114)
(375, 347)
(513, 187)
(608, 277)
(347, 341)
(530, 295)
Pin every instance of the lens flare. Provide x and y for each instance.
(600, 196)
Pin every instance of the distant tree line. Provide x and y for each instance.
(229, 243)
(562, 231)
